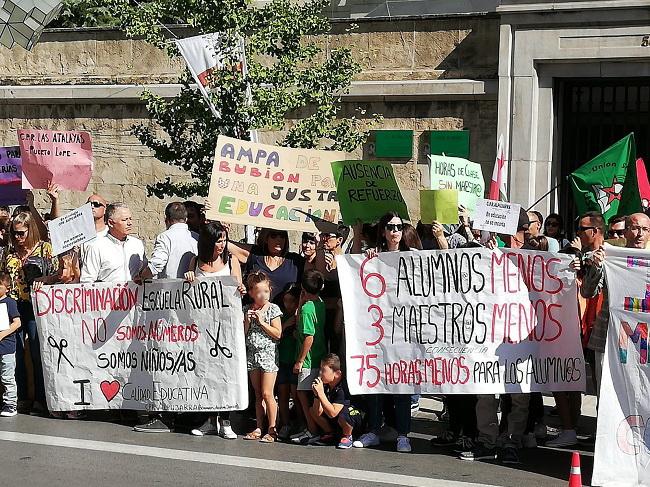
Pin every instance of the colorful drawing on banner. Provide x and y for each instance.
(496, 216)
(460, 174)
(622, 452)
(269, 186)
(367, 191)
(72, 229)
(168, 345)
(11, 192)
(439, 205)
(464, 321)
(60, 157)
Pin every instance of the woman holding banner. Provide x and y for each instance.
(29, 259)
(389, 239)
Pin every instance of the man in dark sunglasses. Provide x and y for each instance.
(616, 227)
(98, 205)
(591, 231)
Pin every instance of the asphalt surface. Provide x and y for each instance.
(95, 452)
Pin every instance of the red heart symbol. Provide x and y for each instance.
(109, 389)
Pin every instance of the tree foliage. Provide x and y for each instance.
(288, 73)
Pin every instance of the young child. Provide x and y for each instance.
(9, 323)
(263, 329)
(332, 406)
(312, 347)
(287, 380)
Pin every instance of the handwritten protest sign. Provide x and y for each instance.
(440, 205)
(269, 186)
(622, 453)
(168, 345)
(460, 174)
(367, 191)
(11, 192)
(72, 229)
(496, 216)
(64, 158)
(461, 321)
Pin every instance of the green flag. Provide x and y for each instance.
(608, 182)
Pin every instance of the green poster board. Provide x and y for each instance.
(440, 205)
(367, 191)
(452, 143)
(394, 143)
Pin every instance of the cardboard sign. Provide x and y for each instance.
(72, 229)
(460, 174)
(496, 216)
(272, 187)
(61, 157)
(11, 192)
(464, 321)
(367, 191)
(168, 345)
(440, 205)
(622, 453)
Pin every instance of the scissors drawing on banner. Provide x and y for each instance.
(63, 343)
(217, 347)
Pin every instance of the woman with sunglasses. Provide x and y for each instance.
(389, 239)
(29, 259)
(554, 228)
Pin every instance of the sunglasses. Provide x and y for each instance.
(20, 233)
(616, 233)
(97, 204)
(394, 227)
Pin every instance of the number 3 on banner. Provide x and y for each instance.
(366, 365)
(377, 324)
(375, 275)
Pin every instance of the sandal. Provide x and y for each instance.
(270, 437)
(256, 434)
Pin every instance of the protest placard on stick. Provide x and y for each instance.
(367, 190)
(72, 229)
(11, 192)
(460, 174)
(440, 205)
(270, 186)
(60, 157)
(496, 216)
(168, 345)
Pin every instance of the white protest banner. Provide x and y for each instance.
(464, 321)
(459, 174)
(72, 229)
(272, 187)
(622, 453)
(168, 345)
(496, 216)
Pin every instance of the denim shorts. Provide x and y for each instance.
(286, 375)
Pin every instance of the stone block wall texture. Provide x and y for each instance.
(396, 51)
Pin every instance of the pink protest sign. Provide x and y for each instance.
(64, 158)
(11, 192)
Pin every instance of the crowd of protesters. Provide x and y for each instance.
(293, 319)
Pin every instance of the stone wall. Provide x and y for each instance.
(401, 50)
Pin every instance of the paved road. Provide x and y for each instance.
(96, 453)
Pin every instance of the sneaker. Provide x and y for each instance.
(306, 438)
(9, 411)
(464, 443)
(210, 427)
(479, 452)
(326, 439)
(298, 435)
(509, 456)
(283, 434)
(529, 441)
(345, 443)
(403, 444)
(153, 426)
(226, 430)
(540, 430)
(566, 438)
(366, 440)
(448, 438)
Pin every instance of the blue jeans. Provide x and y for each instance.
(28, 330)
(396, 410)
(8, 378)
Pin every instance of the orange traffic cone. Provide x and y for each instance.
(575, 477)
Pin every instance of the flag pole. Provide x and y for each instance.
(546, 194)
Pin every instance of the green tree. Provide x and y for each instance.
(288, 73)
(85, 13)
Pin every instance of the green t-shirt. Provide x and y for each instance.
(312, 323)
(287, 346)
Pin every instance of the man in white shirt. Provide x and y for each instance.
(117, 257)
(173, 249)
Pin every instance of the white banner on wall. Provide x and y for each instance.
(622, 453)
(461, 321)
(167, 345)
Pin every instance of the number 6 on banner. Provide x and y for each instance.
(366, 365)
(377, 324)
(364, 281)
